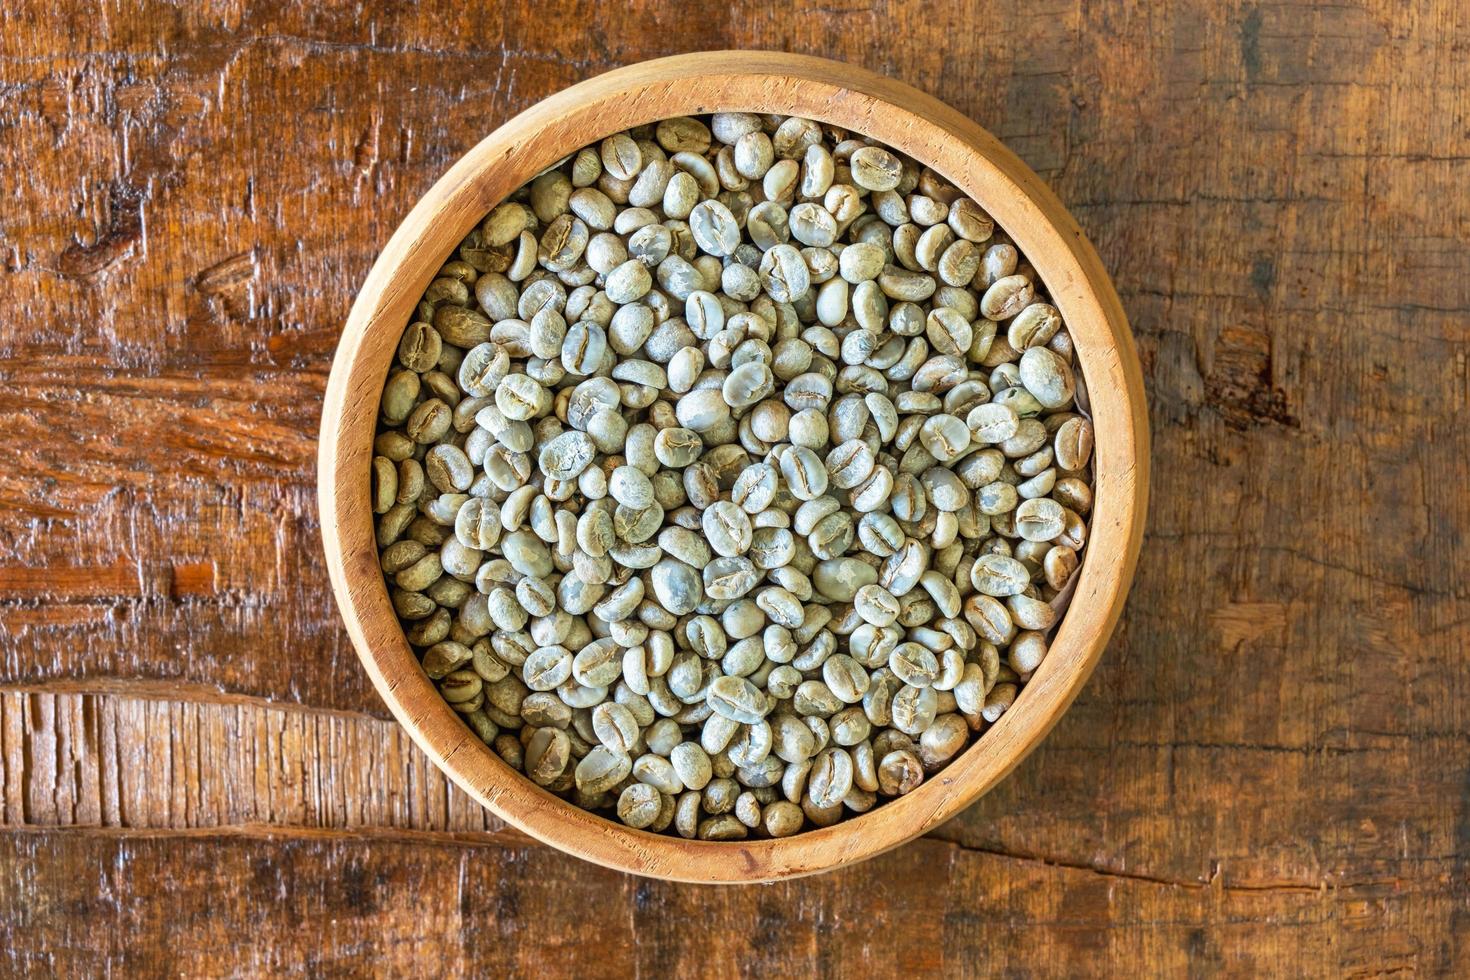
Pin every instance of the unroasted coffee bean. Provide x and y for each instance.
(1040, 519)
(1034, 326)
(945, 437)
(998, 575)
(1073, 444)
(1047, 377)
(638, 805)
(875, 168)
(875, 605)
(714, 228)
(601, 769)
(1059, 564)
(899, 773)
(830, 778)
(737, 699)
(804, 473)
(547, 755)
(677, 586)
(732, 473)
(1006, 297)
(784, 274)
(726, 528)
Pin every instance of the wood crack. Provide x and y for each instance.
(179, 691)
(1213, 881)
(506, 837)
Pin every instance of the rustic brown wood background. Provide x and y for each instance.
(1269, 772)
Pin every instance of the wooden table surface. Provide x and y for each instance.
(1270, 770)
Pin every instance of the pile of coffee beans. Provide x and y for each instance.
(731, 476)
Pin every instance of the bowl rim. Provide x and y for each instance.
(758, 81)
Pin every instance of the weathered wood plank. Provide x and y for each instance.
(303, 905)
(1269, 770)
(130, 763)
(85, 760)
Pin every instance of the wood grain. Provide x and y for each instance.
(405, 908)
(105, 760)
(1277, 190)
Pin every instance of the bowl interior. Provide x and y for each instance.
(840, 95)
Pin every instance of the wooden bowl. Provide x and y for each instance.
(843, 95)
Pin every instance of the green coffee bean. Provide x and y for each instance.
(621, 536)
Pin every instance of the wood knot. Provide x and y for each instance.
(1240, 386)
(124, 232)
